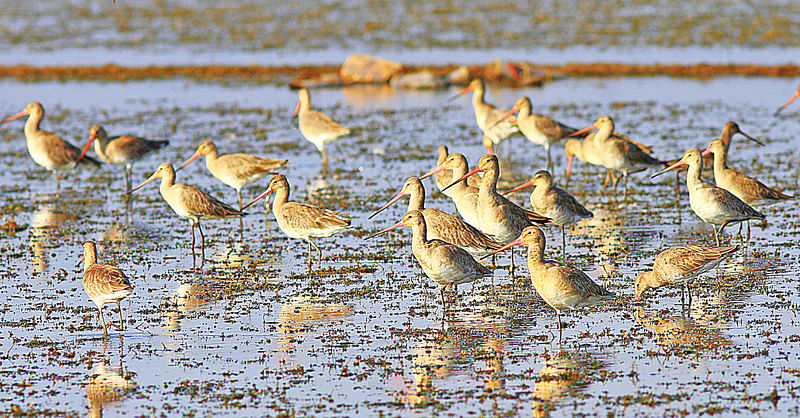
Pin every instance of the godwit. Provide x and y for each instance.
(190, 203)
(463, 193)
(441, 225)
(681, 265)
(300, 220)
(445, 176)
(561, 286)
(539, 129)
(553, 202)
(747, 189)
(498, 217)
(487, 116)
(47, 149)
(103, 283)
(791, 99)
(584, 150)
(615, 152)
(446, 264)
(121, 150)
(710, 203)
(317, 127)
(235, 170)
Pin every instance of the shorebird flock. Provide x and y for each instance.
(451, 249)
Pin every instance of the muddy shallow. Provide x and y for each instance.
(253, 333)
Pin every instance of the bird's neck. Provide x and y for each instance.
(90, 258)
(693, 175)
(535, 255)
(281, 197)
(488, 184)
(419, 234)
(416, 200)
(720, 161)
(32, 124)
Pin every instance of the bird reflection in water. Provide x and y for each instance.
(677, 331)
(303, 315)
(107, 385)
(184, 299)
(564, 375)
(47, 230)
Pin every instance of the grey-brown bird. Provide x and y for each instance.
(103, 283)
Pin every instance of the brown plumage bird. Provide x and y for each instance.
(235, 170)
(561, 286)
(190, 203)
(442, 225)
(300, 220)
(46, 148)
(446, 264)
(103, 283)
(121, 150)
(681, 266)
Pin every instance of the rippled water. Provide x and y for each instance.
(252, 333)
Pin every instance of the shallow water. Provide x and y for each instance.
(252, 333)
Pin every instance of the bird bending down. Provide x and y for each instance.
(47, 149)
(712, 204)
(317, 127)
(190, 203)
(681, 266)
(300, 220)
(103, 283)
(121, 150)
(446, 264)
(561, 286)
(553, 202)
(235, 170)
(442, 225)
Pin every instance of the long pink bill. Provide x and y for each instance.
(584, 130)
(432, 172)
(672, 167)
(793, 98)
(391, 202)
(85, 150)
(461, 93)
(153, 177)
(17, 116)
(195, 156)
(504, 117)
(517, 241)
(520, 187)
(296, 110)
(473, 171)
(395, 226)
(261, 196)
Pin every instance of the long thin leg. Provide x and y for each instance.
(748, 231)
(558, 319)
(689, 294)
(563, 243)
(625, 174)
(102, 321)
(512, 261)
(549, 159)
(202, 245)
(58, 181)
(324, 156)
(128, 175)
(121, 321)
(319, 252)
(716, 234)
(309, 254)
(192, 239)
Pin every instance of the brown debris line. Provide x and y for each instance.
(264, 74)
